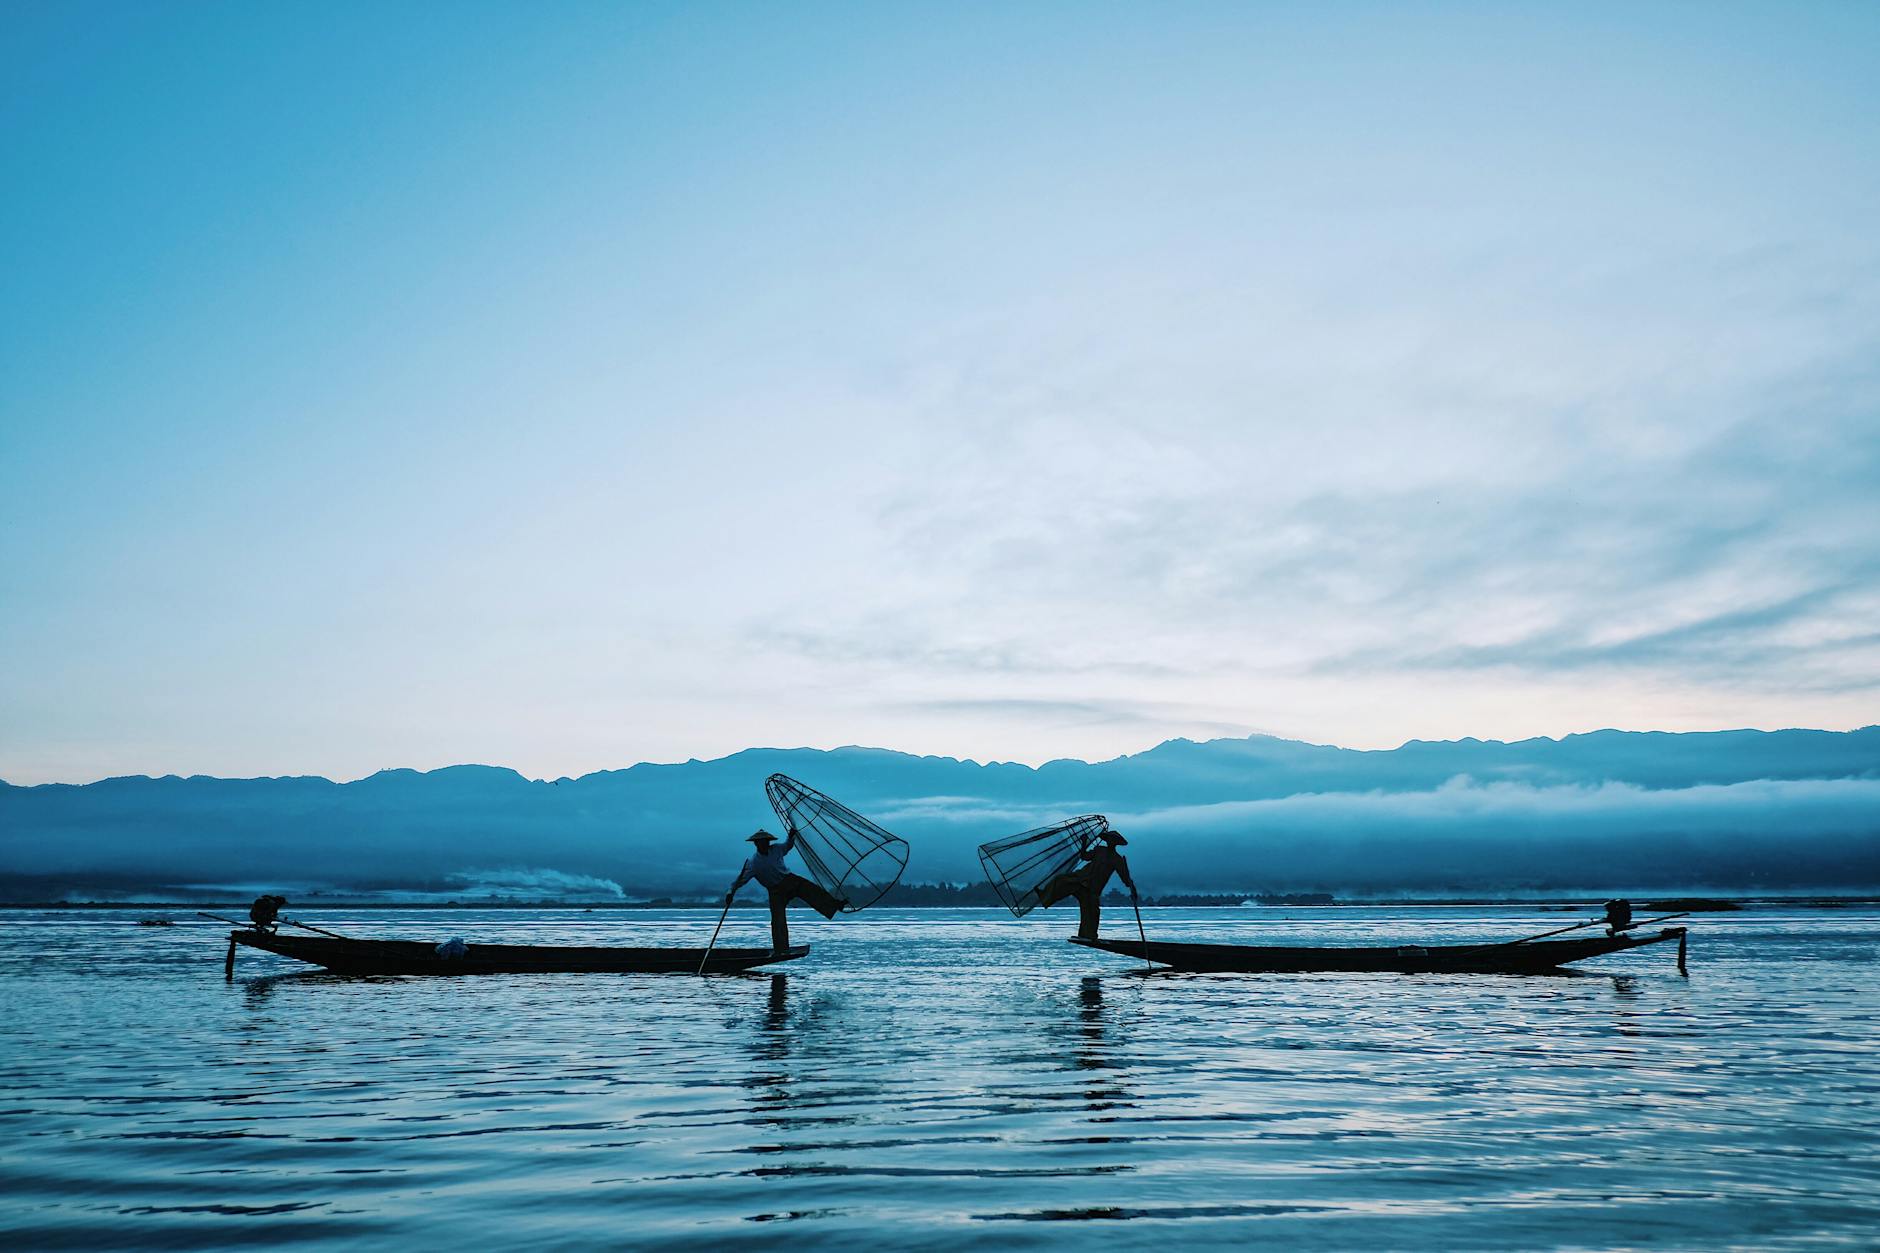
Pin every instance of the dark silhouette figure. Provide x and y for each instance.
(265, 910)
(1618, 916)
(1086, 882)
(766, 866)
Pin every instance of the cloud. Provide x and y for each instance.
(1416, 401)
(1072, 712)
(1775, 834)
(968, 814)
(1544, 512)
(515, 883)
(532, 883)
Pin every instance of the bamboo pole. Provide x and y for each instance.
(1528, 939)
(316, 930)
(1140, 933)
(715, 930)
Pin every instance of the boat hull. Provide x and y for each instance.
(1533, 958)
(416, 957)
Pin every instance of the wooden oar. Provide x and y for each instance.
(1590, 922)
(715, 931)
(316, 930)
(289, 921)
(1526, 939)
(1660, 918)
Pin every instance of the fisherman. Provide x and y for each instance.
(1618, 916)
(766, 866)
(265, 911)
(1086, 882)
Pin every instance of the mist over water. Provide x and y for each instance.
(924, 1078)
(1738, 812)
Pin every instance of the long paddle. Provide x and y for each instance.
(1590, 922)
(1142, 935)
(289, 921)
(316, 930)
(715, 931)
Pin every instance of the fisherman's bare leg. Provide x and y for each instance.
(1074, 884)
(815, 896)
(1057, 889)
(797, 888)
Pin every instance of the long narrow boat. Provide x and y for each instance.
(416, 957)
(1514, 958)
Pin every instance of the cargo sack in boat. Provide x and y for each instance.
(1019, 866)
(852, 858)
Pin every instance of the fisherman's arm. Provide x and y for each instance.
(1122, 872)
(744, 877)
(789, 842)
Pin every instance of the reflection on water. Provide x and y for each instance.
(940, 1077)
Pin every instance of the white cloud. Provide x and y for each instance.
(1814, 833)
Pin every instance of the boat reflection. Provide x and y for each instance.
(257, 990)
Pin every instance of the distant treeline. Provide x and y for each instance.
(970, 895)
(903, 895)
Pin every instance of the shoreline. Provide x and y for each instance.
(1717, 904)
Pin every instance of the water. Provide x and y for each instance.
(928, 1078)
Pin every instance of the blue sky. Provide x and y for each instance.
(404, 385)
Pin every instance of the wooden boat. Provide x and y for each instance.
(418, 957)
(1513, 958)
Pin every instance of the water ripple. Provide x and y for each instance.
(929, 1078)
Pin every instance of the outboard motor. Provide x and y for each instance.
(265, 910)
(1618, 916)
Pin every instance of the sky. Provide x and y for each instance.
(563, 387)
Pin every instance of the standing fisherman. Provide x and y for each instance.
(1086, 882)
(766, 866)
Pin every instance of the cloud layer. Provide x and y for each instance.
(1733, 811)
(1763, 834)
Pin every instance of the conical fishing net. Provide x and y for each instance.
(1018, 867)
(845, 852)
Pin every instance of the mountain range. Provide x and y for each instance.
(1605, 811)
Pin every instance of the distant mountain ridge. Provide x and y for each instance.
(1784, 808)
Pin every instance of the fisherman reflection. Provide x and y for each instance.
(766, 866)
(773, 1040)
(769, 1087)
(1090, 1024)
(1101, 1088)
(1087, 881)
(780, 1091)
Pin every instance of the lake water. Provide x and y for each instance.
(934, 1077)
